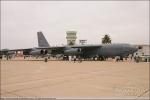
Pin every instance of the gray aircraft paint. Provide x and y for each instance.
(105, 50)
(116, 50)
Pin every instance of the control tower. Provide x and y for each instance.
(71, 37)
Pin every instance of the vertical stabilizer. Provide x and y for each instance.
(42, 42)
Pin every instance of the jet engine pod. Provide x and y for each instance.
(72, 51)
(38, 52)
(42, 52)
(46, 52)
(79, 50)
(10, 52)
(26, 53)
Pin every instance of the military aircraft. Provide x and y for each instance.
(101, 51)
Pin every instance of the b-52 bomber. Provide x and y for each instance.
(101, 51)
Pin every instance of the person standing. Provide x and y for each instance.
(80, 59)
(70, 58)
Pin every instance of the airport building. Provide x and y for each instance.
(71, 37)
(82, 42)
(143, 53)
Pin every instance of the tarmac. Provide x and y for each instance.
(64, 79)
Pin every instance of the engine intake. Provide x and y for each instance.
(72, 51)
(39, 52)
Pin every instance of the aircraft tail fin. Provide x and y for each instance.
(42, 42)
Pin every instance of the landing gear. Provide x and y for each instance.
(102, 58)
(66, 58)
(94, 58)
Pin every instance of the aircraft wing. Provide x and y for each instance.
(54, 50)
(76, 46)
(27, 49)
(86, 46)
(60, 49)
(12, 51)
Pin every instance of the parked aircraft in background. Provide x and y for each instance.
(101, 52)
(7, 53)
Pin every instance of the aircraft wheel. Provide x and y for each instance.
(121, 58)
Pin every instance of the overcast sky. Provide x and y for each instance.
(124, 21)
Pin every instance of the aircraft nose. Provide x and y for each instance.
(132, 48)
